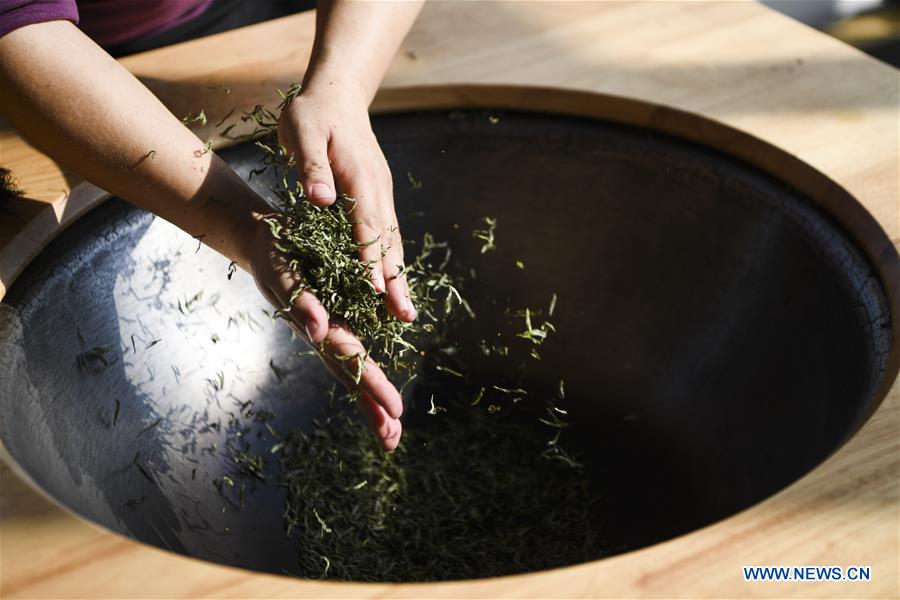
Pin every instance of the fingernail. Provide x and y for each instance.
(321, 191)
(410, 309)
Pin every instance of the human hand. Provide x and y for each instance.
(327, 130)
(335, 150)
(379, 400)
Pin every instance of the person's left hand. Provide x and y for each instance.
(378, 399)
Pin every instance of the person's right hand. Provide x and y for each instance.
(327, 129)
(331, 139)
(379, 400)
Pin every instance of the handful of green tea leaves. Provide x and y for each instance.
(321, 249)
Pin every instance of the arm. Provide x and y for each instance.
(327, 128)
(356, 41)
(76, 103)
(81, 107)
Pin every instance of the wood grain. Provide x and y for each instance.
(732, 75)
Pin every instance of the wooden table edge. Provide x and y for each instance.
(850, 210)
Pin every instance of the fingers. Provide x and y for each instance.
(376, 394)
(375, 230)
(367, 233)
(313, 168)
(379, 400)
(306, 312)
(343, 353)
(385, 427)
(398, 299)
(360, 171)
(306, 315)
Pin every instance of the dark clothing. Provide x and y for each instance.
(128, 26)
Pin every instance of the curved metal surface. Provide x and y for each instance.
(719, 336)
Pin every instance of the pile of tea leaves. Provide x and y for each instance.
(482, 483)
(469, 496)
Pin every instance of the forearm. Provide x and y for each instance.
(355, 42)
(73, 101)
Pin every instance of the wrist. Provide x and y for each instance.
(323, 105)
(255, 240)
(324, 78)
(240, 219)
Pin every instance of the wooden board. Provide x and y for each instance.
(807, 108)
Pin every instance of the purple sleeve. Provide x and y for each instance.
(18, 13)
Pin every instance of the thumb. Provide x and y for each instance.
(314, 169)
